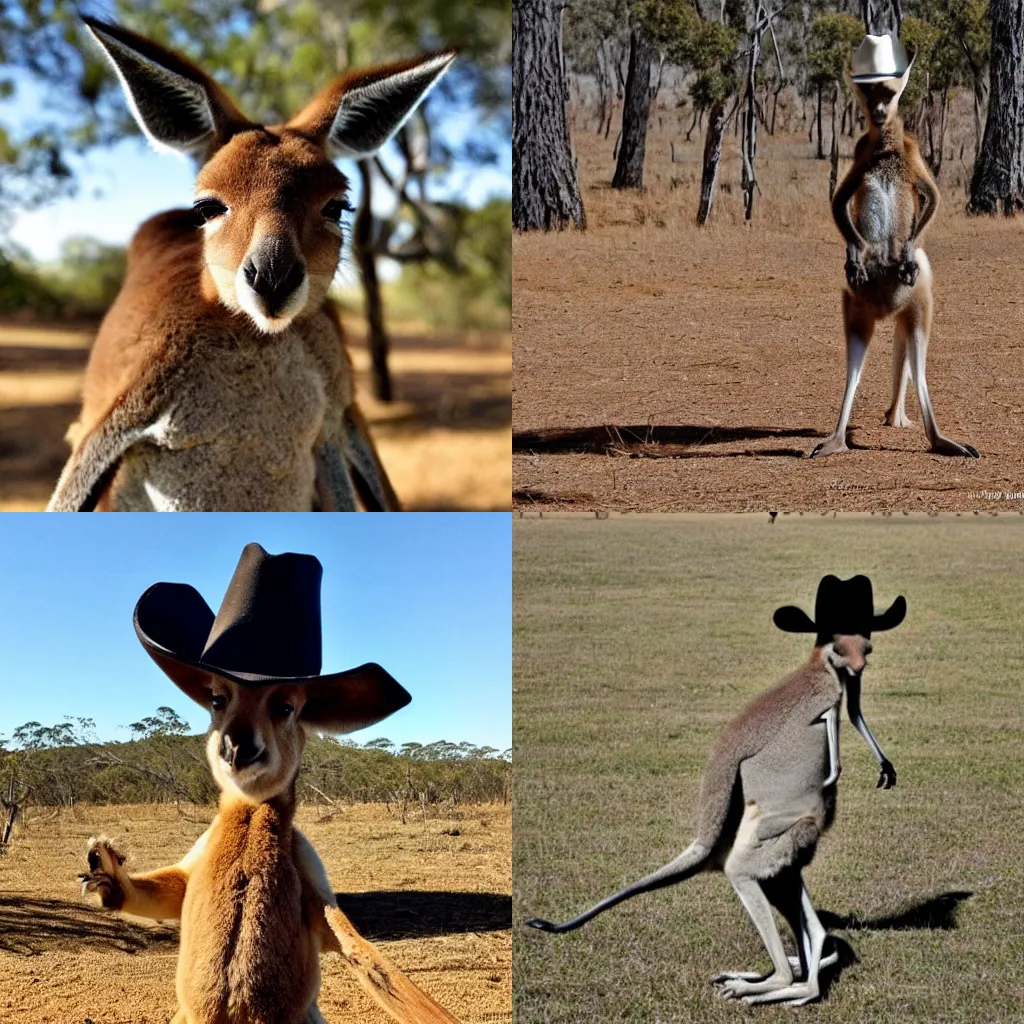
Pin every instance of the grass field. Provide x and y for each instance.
(663, 367)
(435, 894)
(444, 440)
(636, 638)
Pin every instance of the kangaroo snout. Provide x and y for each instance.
(274, 275)
(241, 749)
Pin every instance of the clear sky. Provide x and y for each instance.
(122, 185)
(428, 596)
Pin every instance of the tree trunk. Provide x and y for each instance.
(636, 109)
(545, 188)
(362, 248)
(821, 144)
(749, 181)
(712, 154)
(693, 124)
(998, 181)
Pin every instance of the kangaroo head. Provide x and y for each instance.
(268, 200)
(848, 653)
(258, 733)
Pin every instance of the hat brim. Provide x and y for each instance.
(791, 619)
(892, 616)
(172, 622)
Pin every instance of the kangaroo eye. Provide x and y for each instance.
(218, 702)
(284, 710)
(335, 208)
(209, 208)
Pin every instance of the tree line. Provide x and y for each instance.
(734, 59)
(62, 765)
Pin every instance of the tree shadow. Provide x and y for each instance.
(418, 915)
(687, 441)
(30, 926)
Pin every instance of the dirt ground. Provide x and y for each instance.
(662, 367)
(435, 894)
(444, 440)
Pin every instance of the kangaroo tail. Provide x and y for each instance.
(690, 862)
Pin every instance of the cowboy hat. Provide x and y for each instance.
(844, 607)
(881, 59)
(266, 632)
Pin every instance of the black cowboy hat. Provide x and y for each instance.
(842, 607)
(266, 632)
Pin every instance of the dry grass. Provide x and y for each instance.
(636, 638)
(445, 440)
(435, 894)
(718, 353)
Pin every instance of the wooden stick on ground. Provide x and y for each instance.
(396, 994)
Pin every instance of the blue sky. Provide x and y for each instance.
(122, 185)
(428, 596)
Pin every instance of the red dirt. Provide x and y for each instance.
(661, 367)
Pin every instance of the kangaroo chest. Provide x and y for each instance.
(238, 433)
(247, 955)
(884, 209)
(787, 773)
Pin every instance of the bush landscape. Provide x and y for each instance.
(666, 366)
(418, 839)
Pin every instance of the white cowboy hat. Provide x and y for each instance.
(879, 59)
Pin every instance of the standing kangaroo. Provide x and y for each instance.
(219, 379)
(255, 904)
(893, 199)
(768, 792)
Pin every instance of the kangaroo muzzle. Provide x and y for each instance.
(240, 749)
(274, 272)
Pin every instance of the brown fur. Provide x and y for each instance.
(202, 393)
(892, 198)
(252, 895)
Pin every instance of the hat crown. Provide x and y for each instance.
(880, 57)
(269, 621)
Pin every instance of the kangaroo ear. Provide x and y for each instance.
(346, 701)
(355, 115)
(178, 107)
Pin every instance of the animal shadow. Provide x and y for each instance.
(418, 915)
(656, 442)
(31, 926)
(935, 914)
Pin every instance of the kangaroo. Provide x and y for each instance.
(767, 795)
(219, 380)
(893, 199)
(255, 904)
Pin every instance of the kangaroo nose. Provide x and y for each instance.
(273, 277)
(240, 752)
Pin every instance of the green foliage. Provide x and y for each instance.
(21, 289)
(671, 24)
(62, 764)
(590, 25)
(833, 39)
(87, 276)
(479, 294)
(950, 40)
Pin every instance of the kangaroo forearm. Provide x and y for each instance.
(929, 204)
(156, 894)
